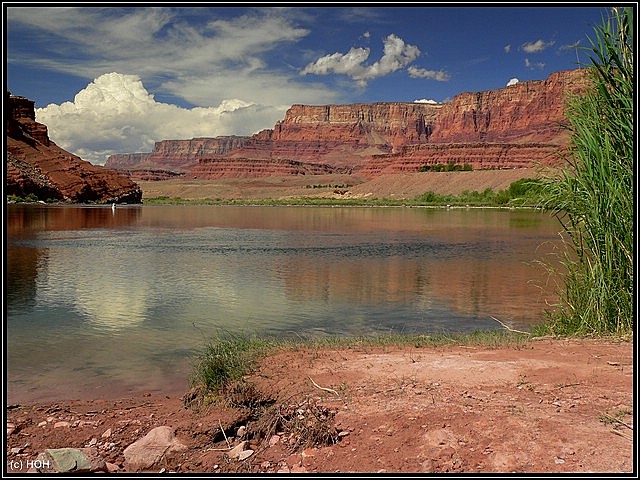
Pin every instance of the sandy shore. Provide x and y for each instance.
(544, 405)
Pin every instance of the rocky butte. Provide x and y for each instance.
(518, 126)
(36, 165)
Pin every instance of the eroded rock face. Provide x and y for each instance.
(525, 112)
(252, 168)
(522, 125)
(484, 155)
(172, 156)
(36, 165)
(375, 124)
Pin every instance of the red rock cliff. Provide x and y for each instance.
(485, 129)
(383, 124)
(525, 112)
(177, 156)
(36, 165)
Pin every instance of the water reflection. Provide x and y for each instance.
(120, 296)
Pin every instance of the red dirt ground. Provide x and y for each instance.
(545, 405)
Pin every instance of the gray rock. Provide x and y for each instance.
(156, 447)
(70, 460)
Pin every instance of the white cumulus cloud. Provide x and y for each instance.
(396, 55)
(513, 81)
(424, 100)
(537, 46)
(116, 114)
(531, 65)
(440, 75)
(228, 65)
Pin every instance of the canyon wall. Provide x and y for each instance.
(376, 124)
(37, 166)
(517, 126)
(172, 157)
(413, 158)
(252, 168)
(525, 112)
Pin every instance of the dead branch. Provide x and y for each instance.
(330, 390)
(224, 434)
(614, 419)
(509, 328)
(622, 434)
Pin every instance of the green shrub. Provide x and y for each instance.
(225, 359)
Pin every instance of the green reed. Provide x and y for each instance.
(593, 194)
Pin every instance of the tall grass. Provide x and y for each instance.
(593, 194)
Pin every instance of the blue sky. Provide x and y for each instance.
(116, 79)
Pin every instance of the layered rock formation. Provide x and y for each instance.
(37, 166)
(172, 157)
(413, 158)
(518, 126)
(525, 112)
(381, 125)
(251, 168)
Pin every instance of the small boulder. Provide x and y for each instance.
(157, 446)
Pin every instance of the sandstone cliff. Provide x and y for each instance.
(36, 165)
(478, 155)
(172, 157)
(513, 127)
(252, 168)
(525, 112)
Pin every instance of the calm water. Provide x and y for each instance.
(102, 302)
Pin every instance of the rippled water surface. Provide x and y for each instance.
(103, 302)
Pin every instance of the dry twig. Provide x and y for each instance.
(224, 434)
(509, 328)
(330, 390)
(622, 434)
(614, 419)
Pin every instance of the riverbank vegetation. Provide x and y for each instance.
(522, 193)
(218, 369)
(593, 194)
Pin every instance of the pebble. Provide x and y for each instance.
(309, 452)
